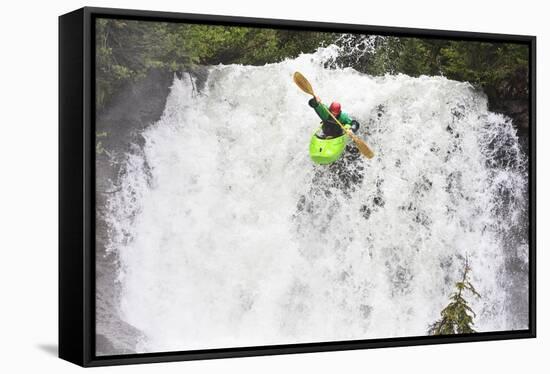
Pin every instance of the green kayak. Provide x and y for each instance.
(327, 151)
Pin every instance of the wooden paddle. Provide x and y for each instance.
(305, 86)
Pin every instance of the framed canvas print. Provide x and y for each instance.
(235, 186)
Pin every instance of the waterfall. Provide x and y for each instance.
(228, 235)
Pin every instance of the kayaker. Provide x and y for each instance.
(330, 128)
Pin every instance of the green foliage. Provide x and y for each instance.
(99, 148)
(500, 69)
(491, 66)
(126, 50)
(457, 317)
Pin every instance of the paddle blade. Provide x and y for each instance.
(303, 83)
(362, 146)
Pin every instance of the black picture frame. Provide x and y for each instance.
(77, 197)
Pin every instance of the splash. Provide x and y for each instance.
(228, 235)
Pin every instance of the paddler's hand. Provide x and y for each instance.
(317, 99)
(314, 102)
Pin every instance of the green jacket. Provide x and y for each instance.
(323, 113)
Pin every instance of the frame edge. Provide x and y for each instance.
(71, 250)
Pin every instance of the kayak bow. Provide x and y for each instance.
(327, 151)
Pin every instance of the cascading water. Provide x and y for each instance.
(228, 235)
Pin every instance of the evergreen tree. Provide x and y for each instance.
(458, 316)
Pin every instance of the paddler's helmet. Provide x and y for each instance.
(335, 108)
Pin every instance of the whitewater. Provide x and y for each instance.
(228, 235)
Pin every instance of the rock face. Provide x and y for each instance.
(511, 98)
(132, 109)
(118, 126)
(515, 108)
